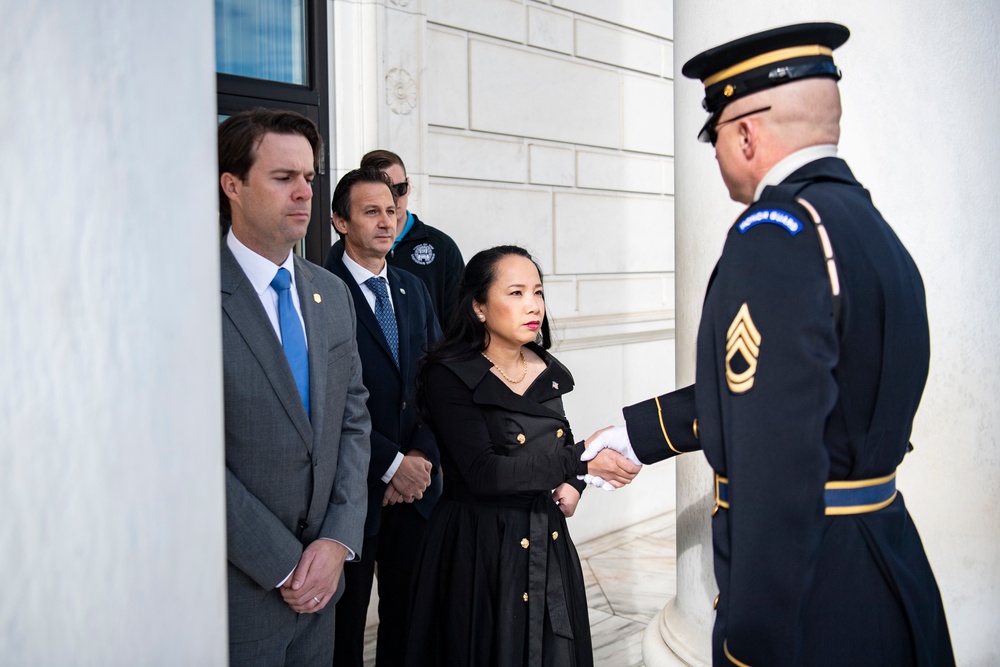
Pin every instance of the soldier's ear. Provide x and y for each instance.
(749, 135)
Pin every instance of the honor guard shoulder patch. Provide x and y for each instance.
(423, 254)
(742, 350)
(772, 216)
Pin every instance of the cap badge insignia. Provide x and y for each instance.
(742, 350)
(728, 90)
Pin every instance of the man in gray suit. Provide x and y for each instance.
(297, 429)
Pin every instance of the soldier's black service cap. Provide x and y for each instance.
(764, 60)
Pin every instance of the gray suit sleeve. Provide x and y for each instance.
(258, 542)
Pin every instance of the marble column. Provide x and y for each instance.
(112, 480)
(919, 130)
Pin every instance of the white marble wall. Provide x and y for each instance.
(550, 125)
(112, 537)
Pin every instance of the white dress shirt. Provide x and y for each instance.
(261, 271)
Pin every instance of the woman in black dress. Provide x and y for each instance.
(497, 579)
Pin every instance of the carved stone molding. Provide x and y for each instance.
(400, 91)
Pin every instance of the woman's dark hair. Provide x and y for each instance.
(464, 335)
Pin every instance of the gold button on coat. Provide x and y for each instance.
(695, 427)
(715, 605)
(524, 543)
(555, 535)
(559, 433)
(521, 438)
(525, 597)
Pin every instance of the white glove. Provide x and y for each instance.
(596, 481)
(616, 438)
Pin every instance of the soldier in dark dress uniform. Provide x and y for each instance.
(812, 354)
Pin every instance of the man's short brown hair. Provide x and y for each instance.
(382, 160)
(241, 134)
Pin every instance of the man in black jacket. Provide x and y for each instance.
(424, 251)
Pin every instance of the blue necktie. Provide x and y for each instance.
(292, 338)
(383, 313)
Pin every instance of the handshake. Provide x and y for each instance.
(611, 463)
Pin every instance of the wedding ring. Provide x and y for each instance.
(316, 599)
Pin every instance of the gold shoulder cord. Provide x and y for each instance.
(831, 263)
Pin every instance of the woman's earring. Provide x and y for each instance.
(482, 318)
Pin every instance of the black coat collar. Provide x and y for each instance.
(488, 389)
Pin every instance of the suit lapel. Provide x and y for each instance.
(318, 337)
(366, 316)
(401, 306)
(242, 305)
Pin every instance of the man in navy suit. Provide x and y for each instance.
(395, 323)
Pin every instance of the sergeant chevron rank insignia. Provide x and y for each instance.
(742, 350)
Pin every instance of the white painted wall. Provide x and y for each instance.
(112, 542)
(920, 131)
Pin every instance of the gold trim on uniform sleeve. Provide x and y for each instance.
(743, 338)
(659, 413)
(725, 647)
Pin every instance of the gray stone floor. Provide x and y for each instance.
(630, 576)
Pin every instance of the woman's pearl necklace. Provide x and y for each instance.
(524, 372)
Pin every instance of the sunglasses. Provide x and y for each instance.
(401, 188)
(713, 132)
